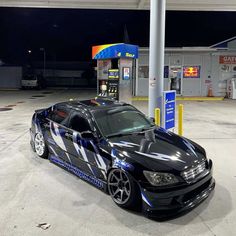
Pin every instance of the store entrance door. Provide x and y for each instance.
(175, 82)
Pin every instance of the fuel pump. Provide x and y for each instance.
(116, 67)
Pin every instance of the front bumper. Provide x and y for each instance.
(175, 202)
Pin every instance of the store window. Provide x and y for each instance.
(143, 72)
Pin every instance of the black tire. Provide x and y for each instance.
(133, 196)
(40, 146)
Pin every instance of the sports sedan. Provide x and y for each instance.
(114, 147)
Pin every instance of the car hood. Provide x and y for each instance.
(159, 149)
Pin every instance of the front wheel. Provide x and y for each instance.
(123, 190)
(40, 146)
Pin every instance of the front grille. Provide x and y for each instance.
(190, 174)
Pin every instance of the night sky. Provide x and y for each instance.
(68, 34)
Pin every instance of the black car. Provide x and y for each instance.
(114, 147)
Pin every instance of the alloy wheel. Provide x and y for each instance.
(119, 186)
(39, 144)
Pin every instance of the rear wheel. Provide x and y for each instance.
(40, 146)
(123, 190)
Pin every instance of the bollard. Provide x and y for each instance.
(157, 116)
(180, 119)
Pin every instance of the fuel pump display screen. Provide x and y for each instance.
(113, 74)
(113, 88)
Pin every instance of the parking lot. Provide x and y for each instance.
(35, 191)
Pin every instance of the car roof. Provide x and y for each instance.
(96, 103)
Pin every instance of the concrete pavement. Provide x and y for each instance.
(33, 190)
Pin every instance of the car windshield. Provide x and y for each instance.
(121, 121)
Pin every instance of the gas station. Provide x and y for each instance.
(204, 72)
(157, 28)
(153, 79)
(116, 70)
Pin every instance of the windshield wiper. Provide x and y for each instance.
(145, 129)
(118, 135)
(130, 133)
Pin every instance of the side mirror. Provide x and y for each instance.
(88, 135)
(152, 119)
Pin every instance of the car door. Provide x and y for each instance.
(55, 130)
(84, 152)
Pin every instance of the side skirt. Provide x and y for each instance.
(78, 172)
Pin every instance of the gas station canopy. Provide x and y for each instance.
(117, 50)
(187, 5)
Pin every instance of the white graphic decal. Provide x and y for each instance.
(99, 160)
(54, 152)
(58, 139)
(161, 157)
(190, 146)
(125, 144)
(145, 200)
(80, 150)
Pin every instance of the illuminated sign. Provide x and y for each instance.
(129, 55)
(116, 50)
(191, 72)
(126, 73)
(169, 104)
(113, 74)
(227, 60)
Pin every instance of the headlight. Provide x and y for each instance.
(159, 179)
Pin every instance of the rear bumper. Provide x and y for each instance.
(30, 84)
(168, 204)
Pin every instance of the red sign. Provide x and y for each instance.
(227, 59)
(191, 72)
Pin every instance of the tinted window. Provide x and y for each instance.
(121, 120)
(79, 124)
(59, 115)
